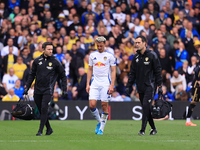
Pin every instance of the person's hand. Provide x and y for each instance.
(127, 91)
(25, 91)
(65, 95)
(88, 89)
(111, 89)
(160, 91)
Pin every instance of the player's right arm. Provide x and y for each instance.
(89, 75)
(32, 75)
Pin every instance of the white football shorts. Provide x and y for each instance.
(99, 93)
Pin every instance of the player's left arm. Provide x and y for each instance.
(113, 76)
(112, 62)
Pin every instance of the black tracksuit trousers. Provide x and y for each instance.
(146, 99)
(41, 102)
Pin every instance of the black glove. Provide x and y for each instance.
(25, 91)
(65, 95)
(160, 91)
(127, 91)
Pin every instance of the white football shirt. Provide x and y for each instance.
(101, 63)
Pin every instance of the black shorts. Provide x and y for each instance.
(195, 94)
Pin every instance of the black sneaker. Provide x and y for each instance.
(39, 134)
(141, 133)
(49, 132)
(153, 132)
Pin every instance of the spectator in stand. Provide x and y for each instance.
(165, 61)
(5, 50)
(179, 4)
(134, 13)
(18, 89)
(152, 11)
(76, 63)
(10, 96)
(106, 10)
(176, 80)
(189, 28)
(72, 37)
(121, 89)
(108, 22)
(19, 67)
(12, 36)
(22, 39)
(168, 5)
(83, 7)
(59, 54)
(131, 30)
(188, 42)
(9, 80)
(191, 18)
(191, 68)
(43, 37)
(38, 52)
(56, 6)
(181, 55)
(156, 6)
(186, 9)
(74, 26)
(26, 57)
(184, 70)
(89, 12)
(119, 17)
(171, 37)
(116, 97)
(81, 87)
(124, 66)
(147, 18)
(166, 45)
(160, 20)
(138, 27)
(143, 16)
(8, 61)
(181, 94)
(116, 33)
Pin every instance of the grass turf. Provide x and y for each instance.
(118, 135)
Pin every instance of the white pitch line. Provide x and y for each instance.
(46, 141)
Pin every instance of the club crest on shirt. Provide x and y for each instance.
(146, 59)
(50, 64)
(105, 58)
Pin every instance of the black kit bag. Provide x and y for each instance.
(161, 108)
(23, 110)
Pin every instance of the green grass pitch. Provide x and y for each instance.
(118, 135)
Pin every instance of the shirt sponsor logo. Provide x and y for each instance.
(99, 64)
(49, 67)
(146, 63)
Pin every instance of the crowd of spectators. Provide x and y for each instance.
(170, 26)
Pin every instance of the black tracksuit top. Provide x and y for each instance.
(145, 71)
(46, 71)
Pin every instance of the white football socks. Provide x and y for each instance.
(96, 115)
(188, 120)
(104, 117)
